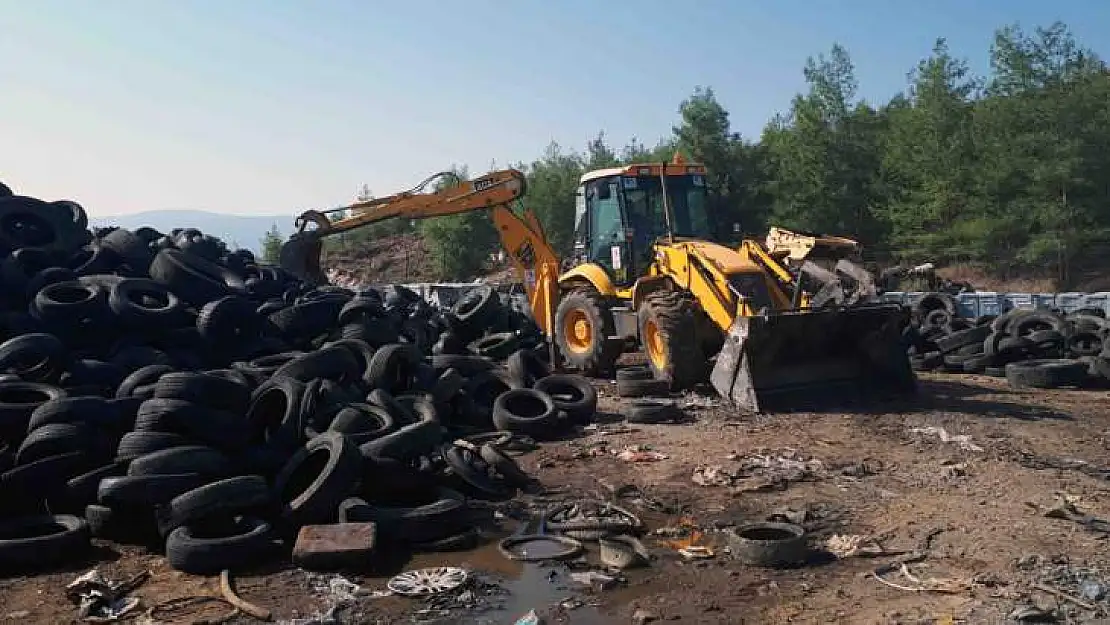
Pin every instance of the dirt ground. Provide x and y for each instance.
(968, 514)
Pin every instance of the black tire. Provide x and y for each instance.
(937, 319)
(1046, 373)
(464, 364)
(935, 301)
(316, 479)
(307, 319)
(504, 465)
(442, 514)
(18, 400)
(584, 310)
(447, 385)
(205, 461)
(192, 278)
(94, 411)
(641, 387)
(220, 429)
(525, 411)
(496, 346)
(668, 331)
(471, 473)
(275, 414)
(978, 364)
(963, 338)
(330, 363)
(482, 390)
(141, 303)
(213, 391)
(130, 248)
(68, 305)
(145, 376)
(362, 423)
(1084, 343)
(649, 412)
(572, 394)
(81, 489)
(44, 479)
(248, 494)
(1036, 321)
(995, 372)
(393, 367)
(361, 350)
(229, 321)
(406, 443)
(525, 368)
(146, 491)
(41, 541)
(135, 444)
(45, 351)
(475, 309)
(211, 549)
(61, 438)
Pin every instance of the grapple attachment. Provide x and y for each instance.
(300, 256)
(807, 356)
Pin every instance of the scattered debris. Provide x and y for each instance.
(713, 475)
(1065, 596)
(931, 584)
(962, 440)
(642, 617)
(531, 618)
(696, 552)
(640, 453)
(101, 599)
(853, 545)
(594, 579)
(227, 589)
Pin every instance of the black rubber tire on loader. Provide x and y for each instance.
(594, 356)
(668, 333)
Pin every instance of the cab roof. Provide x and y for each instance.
(644, 169)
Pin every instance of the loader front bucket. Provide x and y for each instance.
(300, 256)
(809, 357)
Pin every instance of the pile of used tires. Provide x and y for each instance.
(158, 389)
(1030, 348)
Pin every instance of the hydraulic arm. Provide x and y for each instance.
(522, 237)
(301, 254)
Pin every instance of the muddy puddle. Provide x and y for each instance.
(508, 589)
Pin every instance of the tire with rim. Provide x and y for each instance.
(669, 337)
(582, 325)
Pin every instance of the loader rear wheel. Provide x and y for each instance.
(582, 326)
(668, 333)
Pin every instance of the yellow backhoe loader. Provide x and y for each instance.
(643, 271)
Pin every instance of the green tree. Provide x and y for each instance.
(459, 245)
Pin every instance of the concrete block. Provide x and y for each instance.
(338, 546)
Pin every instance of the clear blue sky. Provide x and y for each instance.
(273, 106)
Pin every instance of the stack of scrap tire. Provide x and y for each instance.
(159, 389)
(1040, 348)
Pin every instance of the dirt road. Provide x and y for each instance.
(972, 510)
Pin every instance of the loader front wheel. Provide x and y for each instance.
(668, 333)
(582, 326)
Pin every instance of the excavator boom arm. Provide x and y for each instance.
(301, 254)
(493, 189)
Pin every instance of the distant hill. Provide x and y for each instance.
(243, 231)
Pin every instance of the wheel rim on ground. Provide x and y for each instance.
(654, 345)
(578, 331)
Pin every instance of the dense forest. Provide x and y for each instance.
(1009, 172)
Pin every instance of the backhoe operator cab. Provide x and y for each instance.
(621, 212)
